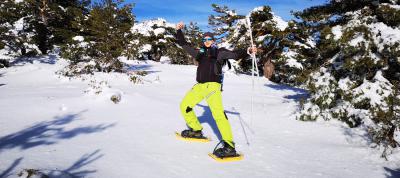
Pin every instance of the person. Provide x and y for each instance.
(210, 61)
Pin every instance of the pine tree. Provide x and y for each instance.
(13, 28)
(225, 19)
(154, 39)
(194, 34)
(273, 36)
(355, 75)
(109, 26)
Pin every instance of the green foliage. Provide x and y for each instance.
(109, 26)
(389, 15)
(224, 20)
(363, 67)
(273, 41)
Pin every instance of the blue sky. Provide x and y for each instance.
(199, 10)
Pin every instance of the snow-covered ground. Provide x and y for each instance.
(49, 123)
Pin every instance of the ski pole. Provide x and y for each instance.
(254, 67)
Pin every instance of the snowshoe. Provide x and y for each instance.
(226, 153)
(191, 135)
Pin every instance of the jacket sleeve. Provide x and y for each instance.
(180, 38)
(224, 54)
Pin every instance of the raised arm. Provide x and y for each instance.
(180, 38)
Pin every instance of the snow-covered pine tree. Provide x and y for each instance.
(109, 24)
(154, 39)
(8, 15)
(276, 38)
(356, 76)
(67, 20)
(193, 34)
(16, 34)
(224, 19)
(33, 27)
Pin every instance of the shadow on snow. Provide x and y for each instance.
(47, 59)
(7, 171)
(141, 67)
(75, 170)
(207, 117)
(47, 133)
(300, 93)
(390, 173)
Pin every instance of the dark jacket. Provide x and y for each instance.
(211, 60)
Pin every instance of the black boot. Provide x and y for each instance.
(226, 151)
(190, 133)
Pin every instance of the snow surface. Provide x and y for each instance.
(50, 124)
(78, 38)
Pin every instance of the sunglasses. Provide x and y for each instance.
(207, 39)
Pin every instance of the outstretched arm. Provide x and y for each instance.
(224, 54)
(180, 38)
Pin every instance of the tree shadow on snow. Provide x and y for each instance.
(75, 170)
(390, 173)
(48, 133)
(47, 59)
(356, 137)
(8, 172)
(300, 93)
(142, 67)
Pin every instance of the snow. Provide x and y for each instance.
(291, 59)
(388, 35)
(337, 32)
(78, 38)
(357, 40)
(376, 91)
(165, 60)
(231, 13)
(146, 27)
(345, 83)
(50, 124)
(159, 31)
(62, 8)
(18, 1)
(145, 48)
(280, 23)
(18, 26)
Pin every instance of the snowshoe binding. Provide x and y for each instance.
(192, 135)
(227, 153)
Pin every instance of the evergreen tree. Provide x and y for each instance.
(154, 39)
(109, 26)
(275, 38)
(224, 20)
(8, 15)
(15, 36)
(355, 75)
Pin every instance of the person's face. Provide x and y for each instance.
(208, 41)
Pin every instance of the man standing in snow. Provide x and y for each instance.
(210, 60)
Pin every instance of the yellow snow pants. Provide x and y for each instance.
(211, 91)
